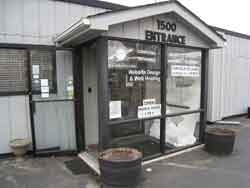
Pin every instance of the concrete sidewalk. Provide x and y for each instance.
(196, 169)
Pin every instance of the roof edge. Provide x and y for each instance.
(232, 33)
(97, 4)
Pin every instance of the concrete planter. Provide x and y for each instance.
(20, 147)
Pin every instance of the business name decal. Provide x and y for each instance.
(164, 37)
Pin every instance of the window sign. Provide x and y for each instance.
(44, 88)
(115, 109)
(148, 111)
(149, 102)
(185, 71)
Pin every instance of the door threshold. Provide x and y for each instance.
(92, 162)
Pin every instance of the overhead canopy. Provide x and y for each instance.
(93, 26)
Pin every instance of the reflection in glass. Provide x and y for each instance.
(180, 130)
(145, 142)
(134, 76)
(183, 79)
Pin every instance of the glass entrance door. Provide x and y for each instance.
(52, 100)
(183, 95)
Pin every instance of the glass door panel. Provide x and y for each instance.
(183, 93)
(53, 100)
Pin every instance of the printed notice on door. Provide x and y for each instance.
(185, 71)
(148, 111)
(115, 109)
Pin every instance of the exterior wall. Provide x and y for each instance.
(136, 30)
(229, 75)
(35, 22)
(14, 121)
(38, 21)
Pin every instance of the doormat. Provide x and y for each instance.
(77, 167)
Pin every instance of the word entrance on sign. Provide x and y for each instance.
(157, 36)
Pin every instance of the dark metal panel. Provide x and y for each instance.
(78, 92)
(163, 97)
(31, 105)
(103, 97)
(204, 94)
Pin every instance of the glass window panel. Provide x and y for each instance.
(13, 71)
(183, 79)
(134, 79)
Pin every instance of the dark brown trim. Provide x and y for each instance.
(204, 94)
(103, 94)
(232, 33)
(79, 101)
(163, 97)
(6, 94)
(95, 3)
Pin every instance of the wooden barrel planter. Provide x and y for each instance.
(120, 167)
(220, 141)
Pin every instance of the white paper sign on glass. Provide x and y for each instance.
(44, 82)
(45, 89)
(115, 109)
(45, 95)
(149, 101)
(35, 69)
(148, 111)
(185, 71)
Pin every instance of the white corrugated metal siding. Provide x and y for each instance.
(229, 78)
(38, 21)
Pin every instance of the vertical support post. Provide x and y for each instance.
(78, 92)
(103, 95)
(163, 97)
(204, 94)
(31, 104)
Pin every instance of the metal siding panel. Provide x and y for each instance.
(62, 17)
(31, 21)
(5, 130)
(14, 21)
(18, 117)
(47, 21)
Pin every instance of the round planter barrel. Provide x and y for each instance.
(120, 167)
(219, 141)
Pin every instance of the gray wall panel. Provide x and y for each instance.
(38, 21)
(228, 80)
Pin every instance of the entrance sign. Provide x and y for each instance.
(157, 36)
(148, 111)
(185, 71)
(115, 111)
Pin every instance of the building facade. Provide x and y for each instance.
(89, 75)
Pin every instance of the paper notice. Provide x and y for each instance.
(115, 109)
(149, 101)
(44, 82)
(148, 111)
(185, 71)
(45, 89)
(45, 95)
(35, 69)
